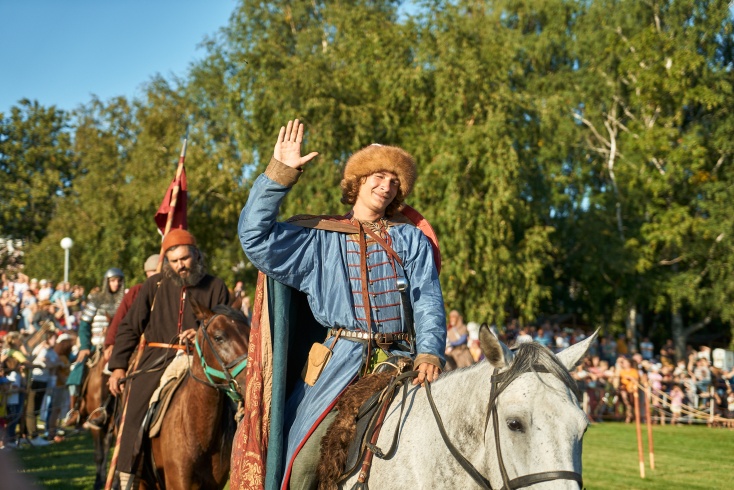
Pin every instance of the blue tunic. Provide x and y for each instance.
(325, 265)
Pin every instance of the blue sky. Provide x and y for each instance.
(59, 52)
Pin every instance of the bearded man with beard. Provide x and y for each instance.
(162, 311)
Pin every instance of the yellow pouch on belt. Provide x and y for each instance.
(317, 359)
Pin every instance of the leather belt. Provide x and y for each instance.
(379, 338)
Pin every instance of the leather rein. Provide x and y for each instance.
(515, 483)
(228, 372)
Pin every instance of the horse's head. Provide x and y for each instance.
(534, 422)
(221, 347)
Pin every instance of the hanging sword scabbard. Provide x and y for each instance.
(407, 311)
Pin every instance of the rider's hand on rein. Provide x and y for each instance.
(426, 372)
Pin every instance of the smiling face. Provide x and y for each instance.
(377, 191)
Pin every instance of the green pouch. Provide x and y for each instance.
(378, 356)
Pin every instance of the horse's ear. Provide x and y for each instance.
(200, 311)
(571, 356)
(237, 303)
(496, 353)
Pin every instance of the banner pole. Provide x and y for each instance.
(640, 453)
(648, 416)
(174, 197)
(118, 439)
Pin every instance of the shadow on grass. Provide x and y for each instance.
(65, 465)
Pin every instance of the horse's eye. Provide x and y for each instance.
(515, 425)
(218, 339)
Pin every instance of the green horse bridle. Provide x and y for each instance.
(228, 372)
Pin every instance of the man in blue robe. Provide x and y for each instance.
(340, 273)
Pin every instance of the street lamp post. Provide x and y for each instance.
(66, 244)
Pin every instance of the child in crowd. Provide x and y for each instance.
(10, 401)
(656, 382)
(676, 403)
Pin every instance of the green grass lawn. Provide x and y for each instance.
(690, 457)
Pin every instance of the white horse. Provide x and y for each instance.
(514, 418)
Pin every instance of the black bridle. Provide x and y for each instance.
(228, 372)
(499, 383)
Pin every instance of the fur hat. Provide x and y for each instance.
(375, 158)
(177, 237)
(151, 263)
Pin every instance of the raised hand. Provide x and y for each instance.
(288, 147)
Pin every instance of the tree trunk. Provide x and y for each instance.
(679, 335)
(631, 324)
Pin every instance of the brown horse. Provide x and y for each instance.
(94, 393)
(195, 441)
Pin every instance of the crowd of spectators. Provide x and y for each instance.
(38, 331)
(38, 337)
(614, 369)
(38, 322)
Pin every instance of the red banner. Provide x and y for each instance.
(179, 213)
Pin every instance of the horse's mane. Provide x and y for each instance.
(532, 356)
(232, 313)
(229, 424)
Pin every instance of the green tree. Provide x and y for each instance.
(310, 60)
(90, 211)
(655, 91)
(36, 167)
(128, 153)
(476, 123)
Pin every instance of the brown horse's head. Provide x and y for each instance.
(222, 344)
(198, 454)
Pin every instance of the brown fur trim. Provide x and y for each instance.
(281, 173)
(335, 444)
(375, 158)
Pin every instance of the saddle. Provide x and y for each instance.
(349, 442)
(162, 396)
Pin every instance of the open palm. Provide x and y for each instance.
(288, 147)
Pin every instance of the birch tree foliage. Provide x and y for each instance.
(474, 125)
(334, 65)
(652, 108)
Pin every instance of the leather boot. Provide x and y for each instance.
(127, 481)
